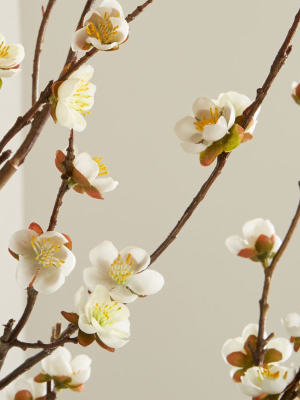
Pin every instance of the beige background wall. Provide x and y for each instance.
(178, 50)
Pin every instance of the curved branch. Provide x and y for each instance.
(38, 50)
(278, 63)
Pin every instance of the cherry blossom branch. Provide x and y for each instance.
(4, 156)
(68, 164)
(292, 392)
(11, 166)
(263, 302)
(30, 362)
(38, 50)
(9, 334)
(40, 345)
(278, 63)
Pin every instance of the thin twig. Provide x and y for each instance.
(30, 362)
(8, 170)
(278, 63)
(38, 50)
(269, 271)
(40, 345)
(11, 334)
(64, 184)
(137, 11)
(4, 156)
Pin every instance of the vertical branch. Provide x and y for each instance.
(38, 50)
(64, 184)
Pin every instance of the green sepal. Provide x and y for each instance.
(41, 378)
(264, 244)
(233, 139)
(237, 375)
(71, 317)
(209, 155)
(239, 359)
(272, 355)
(84, 339)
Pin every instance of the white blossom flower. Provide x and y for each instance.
(24, 388)
(67, 373)
(75, 96)
(292, 324)
(237, 345)
(10, 58)
(211, 120)
(259, 240)
(270, 380)
(108, 319)
(44, 259)
(104, 28)
(88, 174)
(123, 274)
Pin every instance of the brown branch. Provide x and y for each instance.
(137, 11)
(30, 362)
(269, 271)
(4, 156)
(68, 164)
(40, 345)
(278, 63)
(10, 334)
(38, 50)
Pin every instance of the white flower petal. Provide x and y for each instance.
(60, 366)
(229, 114)
(232, 346)
(202, 106)
(26, 271)
(20, 242)
(48, 280)
(69, 259)
(283, 345)
(103, 255)
(80, 377)
(146, 283)
(122, 295)
(86, 166)
(250, 329)
(235, 244)
(216, 131)
(56, 237)
(79, 301)
(239, 101)
(100, 46)
(63, 115)
(277, 243)
(253, 229)
(79, 39)
(140, 257)
(186, 130)
(85, 325)
(193, 148)
(85, 72)
(67, 89)
(95, 276)
(292, 324)
(8, 73)
(104, 185)
(81, 362)
(113, 341)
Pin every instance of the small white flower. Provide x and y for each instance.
(108, 319)
(292, 324)
(10, 58)
(270, 380)
(75, 96)
(44, 260)
(104, 28)
(60, 364)
(237, 345)
(88, 174)
(21, 387)
(120, 272)
(259, 238)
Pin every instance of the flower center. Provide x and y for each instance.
(102, 167)
(214, 116)
(267, 374)
(102, 30)
(103, 313)
(120, 271)
(3, 50)
(78, 101)
(45, 252)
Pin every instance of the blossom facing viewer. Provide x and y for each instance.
(236, 352)
(73, 98)
(44, 258)
(65, 372)
(10, 58)
(123, 274)
(260, 243)
(105, 28)
(26, 389)
(213, 127)
(103, 317)
(88, 174)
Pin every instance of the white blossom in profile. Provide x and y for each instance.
(25, 389)
(10, 58)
